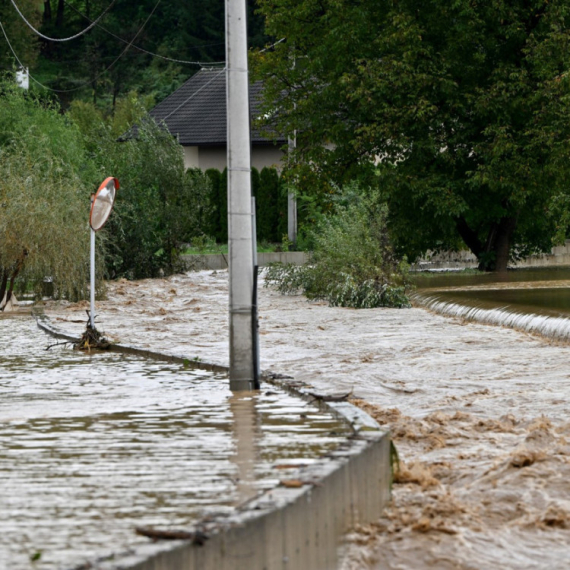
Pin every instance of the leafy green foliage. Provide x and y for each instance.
(44, 197)
(212, 227)
(465, 104)
(282, 223)
(23, 40)
(93, 67)
(160, 206)
(222, 201)
(352, 264)
(265, 187)
(267, 205)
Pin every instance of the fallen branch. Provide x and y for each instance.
(331, 397)
(58, 344)
(92, 339)
(197, 537)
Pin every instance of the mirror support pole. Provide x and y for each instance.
(92, 287)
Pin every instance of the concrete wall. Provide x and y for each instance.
(263, 259)
(559, 256)
(216, 157)
(285, 528)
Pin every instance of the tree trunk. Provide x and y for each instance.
(503, 243)
(47, 11)
(3, 285)
(494, 255)
(470, 237)
(59, 15)
(17, 269)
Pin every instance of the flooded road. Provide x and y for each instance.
(479, 413)
(93, 446)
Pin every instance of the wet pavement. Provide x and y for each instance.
(478, 413)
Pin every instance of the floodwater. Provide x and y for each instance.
(461, 279)
(536, 301)
(93, 446)
(478, 413)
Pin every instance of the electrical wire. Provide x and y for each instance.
(272, 45)
(90, 81)
(94, 23)
(149, 52)
(20, 63)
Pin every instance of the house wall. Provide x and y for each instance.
(216, 157)
(213, 157)
(191, 159)
(269, 156)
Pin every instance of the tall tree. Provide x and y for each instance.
(459, 110)
(94, 65)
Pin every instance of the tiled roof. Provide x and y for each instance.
(196, 112)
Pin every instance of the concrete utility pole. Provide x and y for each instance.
(242, 330)
(292, 203)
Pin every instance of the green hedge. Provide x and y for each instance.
(270, 205)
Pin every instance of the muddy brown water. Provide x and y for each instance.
(92, 446)
(479, 413)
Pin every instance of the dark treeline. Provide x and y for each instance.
(87, 67)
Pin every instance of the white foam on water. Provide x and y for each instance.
(549, 326)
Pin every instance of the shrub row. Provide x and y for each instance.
(270, 194)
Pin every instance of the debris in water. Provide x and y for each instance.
(197, 537)
(417, 473)
(526, 457)
(92, 339)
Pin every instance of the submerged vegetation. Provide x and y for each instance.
(353, 263)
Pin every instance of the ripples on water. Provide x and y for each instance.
(92, 446)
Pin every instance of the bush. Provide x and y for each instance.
(44, 197)
(352, 264)
(267, 206)
(212, 227)
(265, 189)
(160, 206)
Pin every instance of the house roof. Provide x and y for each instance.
(196, 112)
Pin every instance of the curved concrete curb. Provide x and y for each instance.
(45, 324)
(285, 528)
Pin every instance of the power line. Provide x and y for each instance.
(94, 23)
(144, 50)
(97, 76)
(19, 61)
(272, 45)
